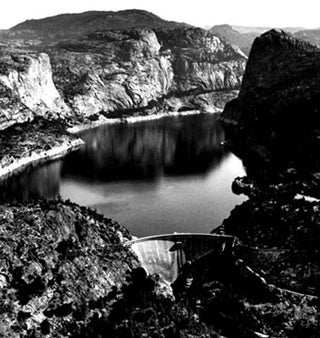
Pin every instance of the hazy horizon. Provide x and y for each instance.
(205, 13)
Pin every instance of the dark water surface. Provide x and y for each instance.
(153, 177)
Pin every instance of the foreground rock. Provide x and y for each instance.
(279, 228)
(218, 297)
(59, 261)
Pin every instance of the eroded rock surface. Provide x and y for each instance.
(144, 70)
(118, 73)
(27, 88)
(59, 261)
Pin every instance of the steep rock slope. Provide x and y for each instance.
(144, 70)
(27, 89)
(280, 94)
(202, 61)
(111, 70)
(118, 72)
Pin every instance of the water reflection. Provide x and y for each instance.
(33, 183)
(153, 177)
(172, 146)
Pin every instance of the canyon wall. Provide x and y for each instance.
(118, 73)
(27, 89)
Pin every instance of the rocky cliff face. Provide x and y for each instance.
(279, 98)
(201, 60)
(27, 89)
(111, 73)
(142, 69)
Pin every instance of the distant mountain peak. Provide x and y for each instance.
(75, 25)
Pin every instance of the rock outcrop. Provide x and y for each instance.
(27, 89)
(201, 60)
(59, 262)
(111, 71)
(279, 100)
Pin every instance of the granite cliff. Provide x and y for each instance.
(27, 88)
(144, 70)
(119, 73)
(278, 104)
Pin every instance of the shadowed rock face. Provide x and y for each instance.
(279, 100)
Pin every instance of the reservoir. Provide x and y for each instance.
(153, 177)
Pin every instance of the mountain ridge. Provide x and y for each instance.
(75, 25)
(243, 36)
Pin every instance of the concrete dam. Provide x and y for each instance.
(165, 255)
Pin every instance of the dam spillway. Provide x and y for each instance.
(166, 254)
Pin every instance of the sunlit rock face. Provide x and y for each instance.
(27, 89)
(201, 60)
(118, 72)
(113, 71)
(143, 69)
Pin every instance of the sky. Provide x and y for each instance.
(270, 13)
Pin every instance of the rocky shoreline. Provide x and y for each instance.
(43, 141)
(34, 143)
